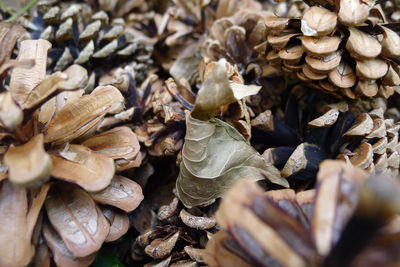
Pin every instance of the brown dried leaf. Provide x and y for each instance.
(80, 165)
(117, 143)
(75, 216)
(24, 80)
(122, 193)
(29, 164)
(78, 116)
(318, 21)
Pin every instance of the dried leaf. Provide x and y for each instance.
(78, 116)
(29, 164)
(122, 193)
(215, 154)
(217, 90)
(117, 143)
(24, 80)
(80, 165)
(77, 219)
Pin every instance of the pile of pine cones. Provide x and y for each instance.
(193, 133)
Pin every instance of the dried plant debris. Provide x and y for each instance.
(124, 126)
(48, 113)
(83, 35)
(215, 154)
(330, 49)
(259, 226)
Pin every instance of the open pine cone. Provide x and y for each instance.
(348, 220)
(80, 35)
(54, 157)
(342, 47)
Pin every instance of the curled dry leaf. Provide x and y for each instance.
(82, 114)
(117, 143)
(11, 114)
(80, 165)
(61, 255)
(122, 193)
(196, 222)
(318, 21)
(215, 154)
(28, 164)
(77, 219)
(24, 80)
(217, 90)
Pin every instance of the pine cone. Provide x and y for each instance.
(349, 220)
(83, 36)
(85, 202)
(178, 237)
(346, 50)
(299, 137)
